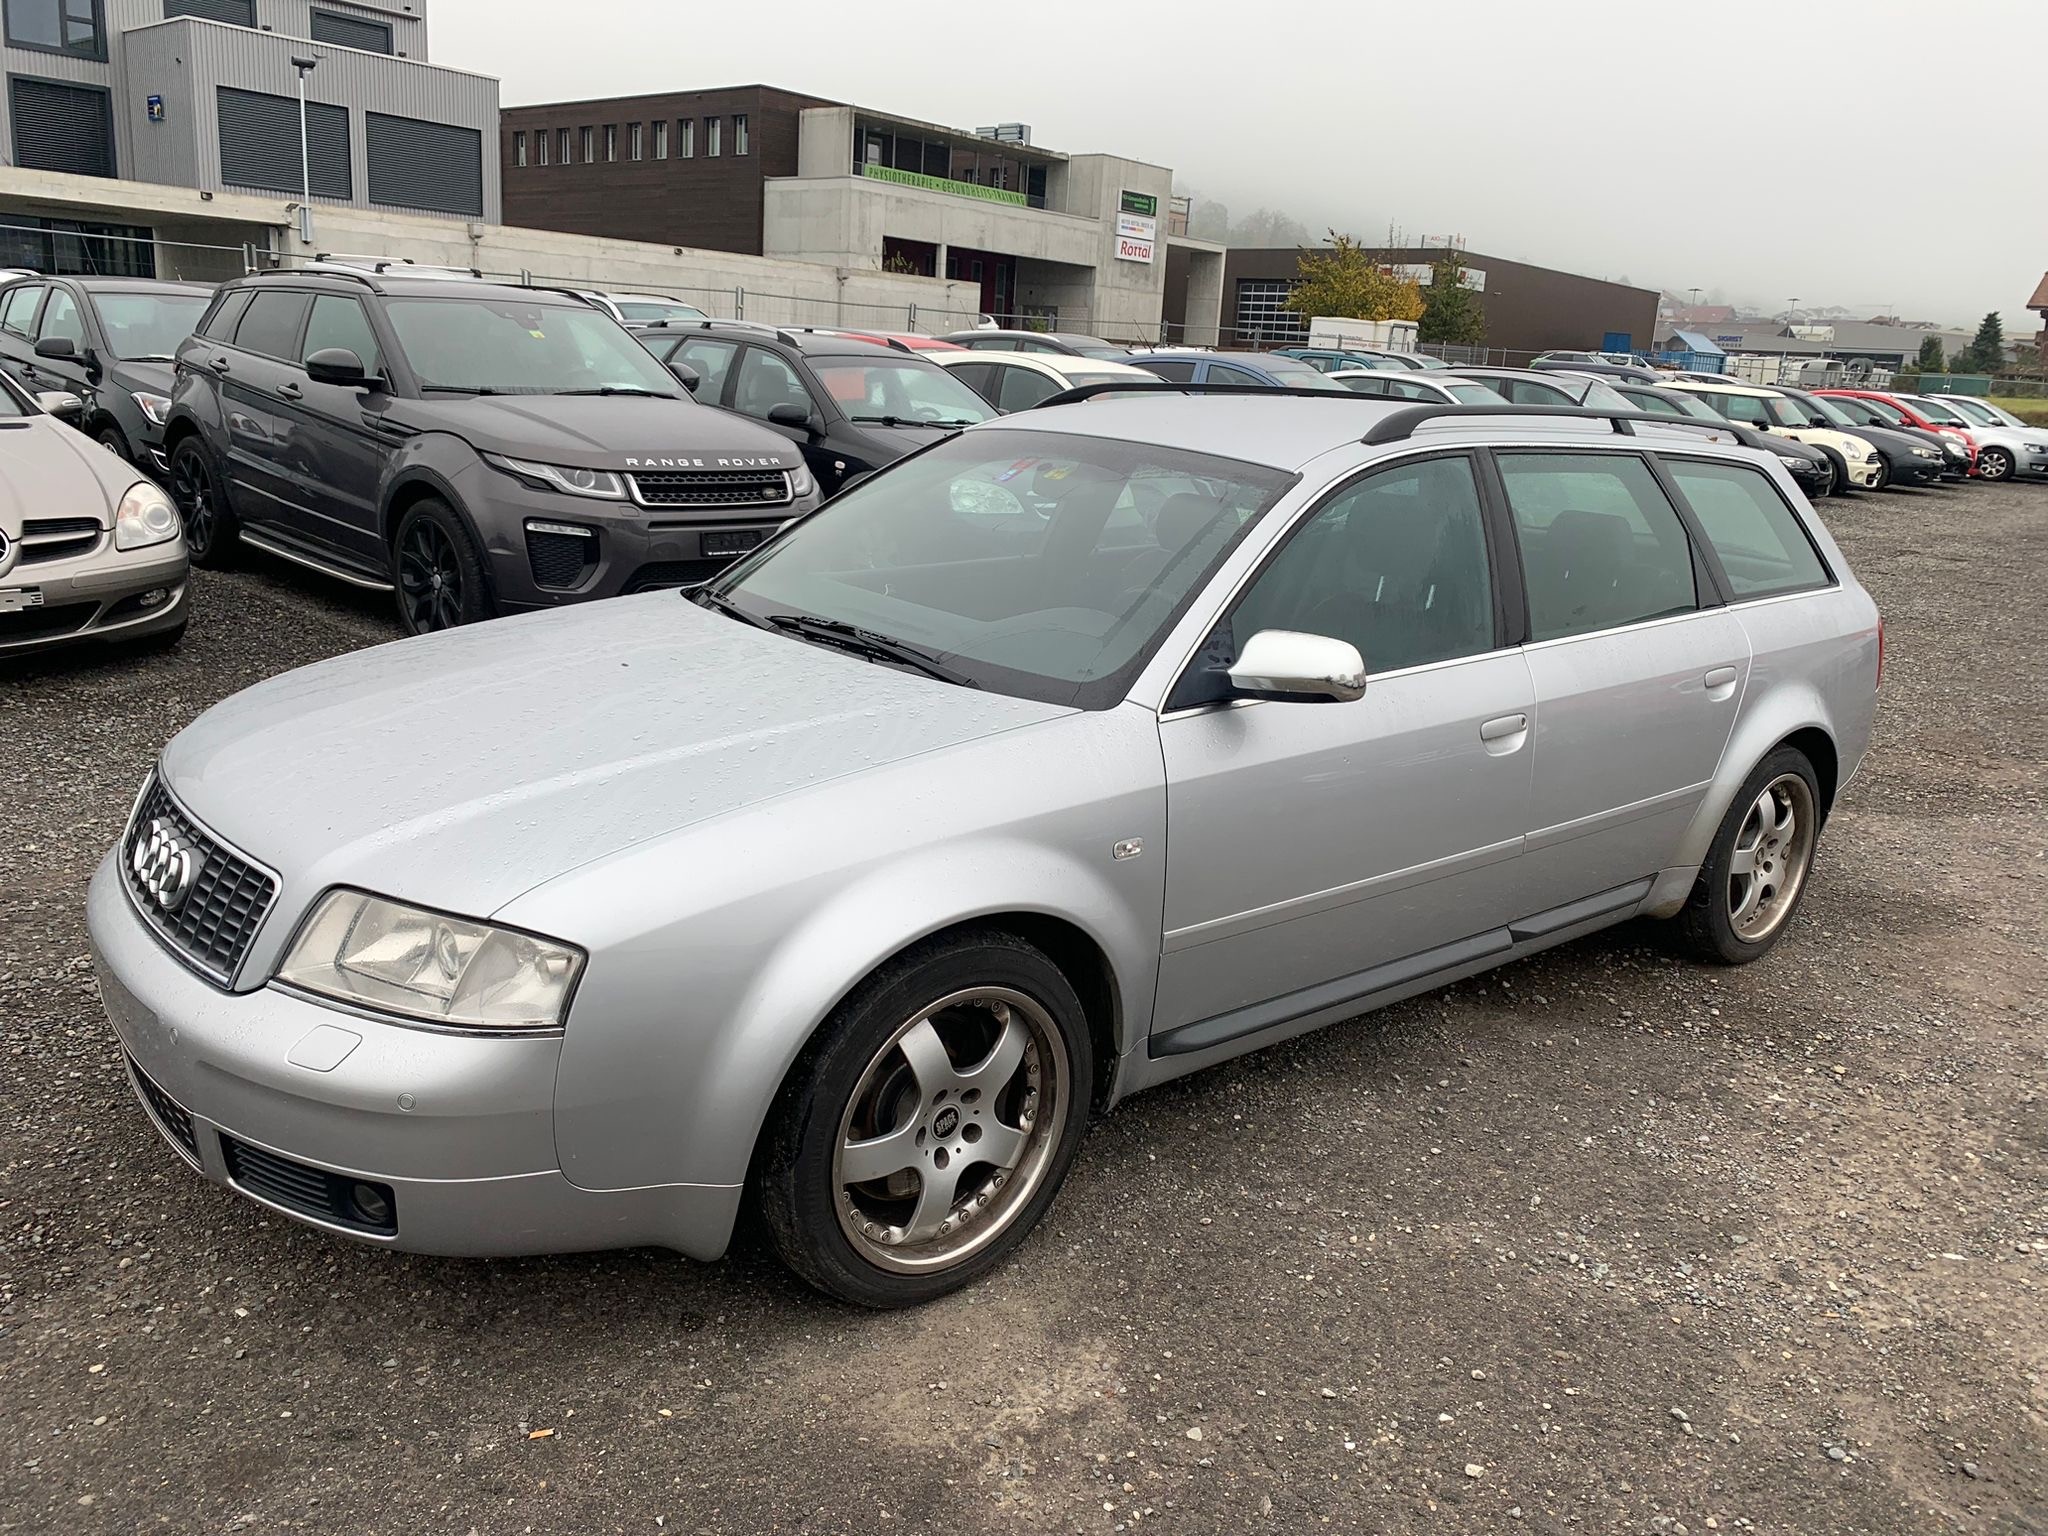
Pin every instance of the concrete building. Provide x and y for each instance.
(1529, 309)
(204, 94)
(1886, 346)
(1048, 239)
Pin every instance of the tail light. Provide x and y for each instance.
(1880, 653)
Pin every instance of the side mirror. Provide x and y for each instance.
(686, 376)
(790, 414)
(62, 348)
(1283, 664)
(63, 405)
(338, 365)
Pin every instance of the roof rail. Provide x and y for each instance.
(1398, 426)
(1158, 386)
(352, 274)
(776, 331)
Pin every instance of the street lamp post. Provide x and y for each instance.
(305, 67)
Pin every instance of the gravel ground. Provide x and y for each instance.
(1605, 1242)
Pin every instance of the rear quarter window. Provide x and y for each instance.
(1763, 547)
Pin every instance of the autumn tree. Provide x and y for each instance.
(1348, 281)
(1452, 314)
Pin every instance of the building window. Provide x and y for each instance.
(611, 143)
(635, 141)
(419, 164)
(713, 127)
(686, 138)
(236, 13)
(519, 148)
(661, 139)
(541, 137)
(59, 127)
(351, 32)
(1261, 315)
(587, 137)
(739, 133)
(259, 143)
(58, 26)
(568, 155)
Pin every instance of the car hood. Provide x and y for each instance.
(462, 769)
(602, 431)
(49, 470)
(1885, 440)
(154, 378)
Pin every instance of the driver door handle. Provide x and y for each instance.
(291, 391)
(1504, 736)
(219, 364)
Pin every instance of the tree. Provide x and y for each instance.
(1347, 280)
(1986, 351)
(1931, 360)
(1452, 313)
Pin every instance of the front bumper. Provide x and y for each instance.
(1914, 470)
(456, 1131)
(99, 596)
(614, 548)
(1866, 473)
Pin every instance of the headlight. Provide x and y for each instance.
(800, 482)
(389, 958)
(145, 517)
(1793, 461)
(1924, 452)
(601, 483)
(155, 407)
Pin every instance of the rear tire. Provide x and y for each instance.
(211, 529)
(1757, 869)
(437, 570)
(889, 1095)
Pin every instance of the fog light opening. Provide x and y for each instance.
(155, 597)
(371, 1205)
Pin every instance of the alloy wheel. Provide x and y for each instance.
(429, 577)
(1994, 464)
(950, 1130)
(192, 490)
(1773, 850)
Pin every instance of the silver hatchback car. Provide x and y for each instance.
(1085, 748)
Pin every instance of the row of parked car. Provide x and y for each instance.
(479, 449)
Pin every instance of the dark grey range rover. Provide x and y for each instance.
(478, 449)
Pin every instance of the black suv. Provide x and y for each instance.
(852, 407)
(481, 449)
(108, 340)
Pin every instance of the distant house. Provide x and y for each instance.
(2039, 305)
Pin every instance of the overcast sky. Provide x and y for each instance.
(1771, 149)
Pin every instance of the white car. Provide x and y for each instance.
(643, 308)
(1416, 386)
(1857, 461)
(2006, 446)
(1016, 381)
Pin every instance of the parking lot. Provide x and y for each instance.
(1603, 1242)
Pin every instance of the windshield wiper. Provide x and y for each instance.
(458, 389)
(704, 597)
(865, 642)
(615, 389)
(911, 421)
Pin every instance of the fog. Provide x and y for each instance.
(1871, 154)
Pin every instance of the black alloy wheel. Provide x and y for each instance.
(210, 527)
(440, 580)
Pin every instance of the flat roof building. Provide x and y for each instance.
(1074, 242)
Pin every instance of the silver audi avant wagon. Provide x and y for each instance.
(1078, 751)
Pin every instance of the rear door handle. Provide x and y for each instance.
(291, 391)
(219, 364)
(1721, 682)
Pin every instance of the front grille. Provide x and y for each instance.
(310, 1191)
(664, 574)
(58, 538)
(711, 488)
(560, 560)
(44, 623)
(226, 903)
(171, 1117)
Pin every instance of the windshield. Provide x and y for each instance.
(1829, 412)
(1975, 410)
(1941, 413)
(149, 325)
(507, 346)
(1890, 415)
(645, 311)
(904, 390)
(1602, 397)
(1786, 413)
(1476, 394)
(1037, 564)
(1293, 373)
(1683, 404)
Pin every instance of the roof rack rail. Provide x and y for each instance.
(1158, 386)
(1398, 426)
(776, 331)
(352, 274)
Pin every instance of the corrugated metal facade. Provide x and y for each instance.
(259, 144)
(346, 31)
(417, 164)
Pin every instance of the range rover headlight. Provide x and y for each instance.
(145, 517)
(601, 483)
(390, 958)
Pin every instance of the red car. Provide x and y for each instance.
(1914, 414)
(903, 341)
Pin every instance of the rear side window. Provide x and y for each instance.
(1601, 544)
(1762, 545)
(271, 324)
(1173, 373)
(220, 326)
(341, 323)
(1747, 409)
(19, 312)
(1223, 373)
(1018, 389)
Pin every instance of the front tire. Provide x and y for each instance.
(1994, 464)
(437, 571)
(1756, 870)
(115, 441)
(929, 1124)
(211, 528)
(1838, 473)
